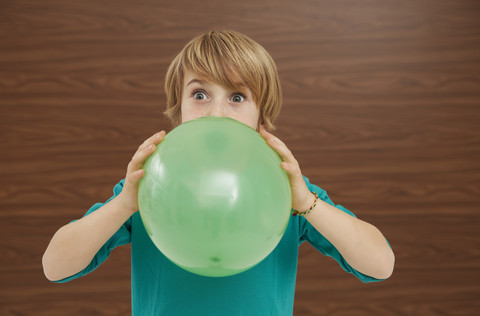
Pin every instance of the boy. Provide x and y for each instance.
(220, 73)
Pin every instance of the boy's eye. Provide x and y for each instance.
(237, 98)
(199, 95)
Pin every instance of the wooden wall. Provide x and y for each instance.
(382, 109)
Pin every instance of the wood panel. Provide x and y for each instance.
(382, 109)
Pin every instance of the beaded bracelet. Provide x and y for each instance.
(295, 212)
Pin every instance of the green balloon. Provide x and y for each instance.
(214, 198)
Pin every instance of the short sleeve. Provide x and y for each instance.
(319, 242)
(121, 237)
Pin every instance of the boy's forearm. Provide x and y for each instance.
(361, 244)
(74, 245)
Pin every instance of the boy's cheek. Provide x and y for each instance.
(188, 114)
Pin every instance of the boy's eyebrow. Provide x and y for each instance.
(204, 82)
(195, 81)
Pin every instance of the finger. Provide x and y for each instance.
(270, 137)
(263, 131)
(154, 139)
(292, 169)
(286, 166)
(279, 147)
(134, 177)
(139, 158)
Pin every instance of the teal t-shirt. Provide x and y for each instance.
(159, 287)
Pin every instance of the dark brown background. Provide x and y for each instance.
(382, 109)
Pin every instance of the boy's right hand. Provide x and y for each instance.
(129, 194)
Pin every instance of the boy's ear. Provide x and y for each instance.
(260, 124)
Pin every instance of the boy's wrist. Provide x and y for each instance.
(308, 203)
(125, 205)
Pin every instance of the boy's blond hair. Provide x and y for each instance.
(226, 57)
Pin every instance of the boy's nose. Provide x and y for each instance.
(217, 108)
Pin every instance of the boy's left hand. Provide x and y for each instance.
(302, 198)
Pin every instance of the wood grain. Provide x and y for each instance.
(381, 109)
